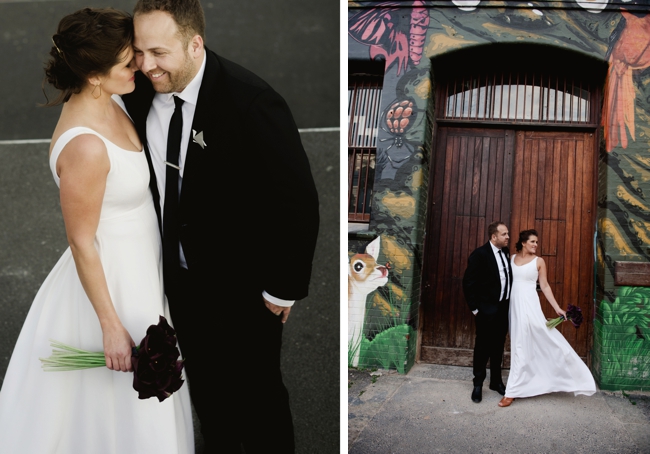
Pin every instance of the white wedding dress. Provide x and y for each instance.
(96, 410)
(542, 361)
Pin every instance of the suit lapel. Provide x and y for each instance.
(204, 115)
(493, 262)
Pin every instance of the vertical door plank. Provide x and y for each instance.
(572, 262)
(586, 242)
(506, 175)
(442, 311)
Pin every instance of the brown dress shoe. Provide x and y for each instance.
(506, 401)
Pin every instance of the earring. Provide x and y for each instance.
(100, 91)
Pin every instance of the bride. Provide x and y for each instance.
(106, 289)
(542, 361)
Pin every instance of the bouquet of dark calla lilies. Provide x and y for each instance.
(574, 315)
(156, 365)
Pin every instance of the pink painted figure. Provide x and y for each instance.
(631, 52)
(389, 35)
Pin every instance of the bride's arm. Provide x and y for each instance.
(83, 168)
(546, 289)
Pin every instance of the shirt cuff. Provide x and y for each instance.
(277, 301)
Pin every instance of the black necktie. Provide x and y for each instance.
(505, 271)
(171, 255)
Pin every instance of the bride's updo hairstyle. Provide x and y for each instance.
(87, 43)
(523, 237)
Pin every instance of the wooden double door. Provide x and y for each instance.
(527, 179)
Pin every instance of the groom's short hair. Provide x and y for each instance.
(493, 228)
(188, 15)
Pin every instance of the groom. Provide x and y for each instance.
(486, 285)
(238, 211)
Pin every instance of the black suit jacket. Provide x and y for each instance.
(248, 204)
(481, 282)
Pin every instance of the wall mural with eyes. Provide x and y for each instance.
(406, 36)
(379, 332)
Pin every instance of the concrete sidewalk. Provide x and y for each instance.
(429, 410)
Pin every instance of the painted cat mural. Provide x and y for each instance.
(364, 276)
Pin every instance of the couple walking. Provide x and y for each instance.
(145, 194)
(501, 292)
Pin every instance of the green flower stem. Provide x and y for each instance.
(77, 355)
(65, 358)
(62, 346)
(552, 323)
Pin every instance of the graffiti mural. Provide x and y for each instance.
(628, 53)
(380, 326)
(380, 331)
(623, 334)
(408, 36)
(365, 275)
(397, 38)
(402, 123)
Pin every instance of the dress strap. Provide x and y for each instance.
(63, 140)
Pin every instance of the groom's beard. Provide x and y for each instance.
(173, 81)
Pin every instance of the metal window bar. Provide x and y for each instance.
(510, 88)
(361, 174)
(363, 113)
(519, 97)
(364, 101)
(463, 100)
(564, 102)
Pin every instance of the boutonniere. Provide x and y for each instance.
(198, 138)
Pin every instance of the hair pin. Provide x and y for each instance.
(57, 48)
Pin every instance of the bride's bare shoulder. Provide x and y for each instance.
(71, 117)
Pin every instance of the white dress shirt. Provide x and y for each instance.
(160, 114)
(501, 260)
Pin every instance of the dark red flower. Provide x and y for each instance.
(574, 315)
(156, 367)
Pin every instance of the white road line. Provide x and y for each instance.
(2, 2)
(28, 141)
(332, 129)
(21, 142)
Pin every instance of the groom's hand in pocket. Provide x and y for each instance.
(280, 311)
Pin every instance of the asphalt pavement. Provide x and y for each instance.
(429, 410)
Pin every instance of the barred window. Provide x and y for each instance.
(519, 98)
(364, 99)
